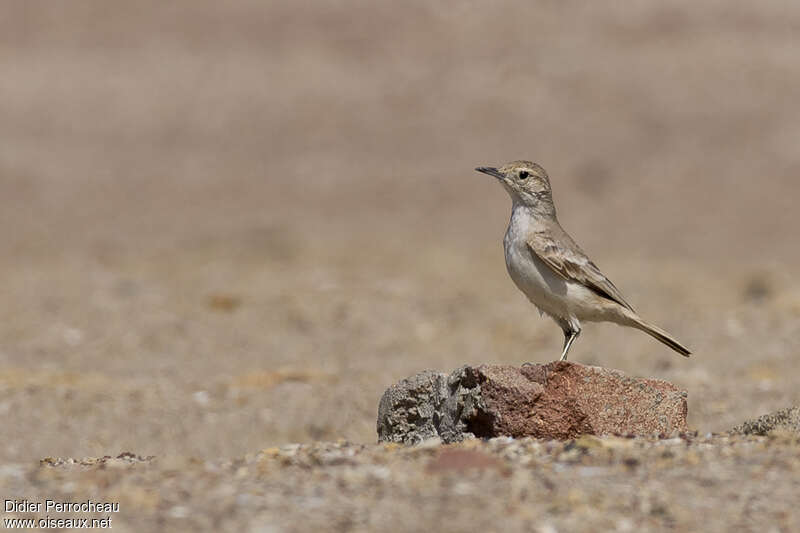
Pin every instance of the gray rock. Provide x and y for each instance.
(409, 411)
(784, 420)
(432, 405)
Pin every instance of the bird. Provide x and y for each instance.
(548, 266)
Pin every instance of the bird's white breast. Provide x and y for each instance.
(543, 287)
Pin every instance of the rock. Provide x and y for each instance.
(558, 400)
(407, 409)
(784, 420)
(460, 460)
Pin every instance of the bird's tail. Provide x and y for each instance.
(661, 335)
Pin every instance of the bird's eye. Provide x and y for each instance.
(523, 174)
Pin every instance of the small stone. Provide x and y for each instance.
(178, 511)
(784, 420)
(460, 460)
(587, 442)
(201, 397)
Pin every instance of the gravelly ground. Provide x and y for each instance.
(687, 483)
(229, 226)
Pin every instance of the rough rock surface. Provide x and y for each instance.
(558, 400)
(783, 420)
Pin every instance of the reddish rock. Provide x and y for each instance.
(558, 400)
(459, 461)
(563, 400)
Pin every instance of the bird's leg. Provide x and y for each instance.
(570, 334)
(571, 329)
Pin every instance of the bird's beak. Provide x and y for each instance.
(491, 171)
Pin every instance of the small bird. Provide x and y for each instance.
(551, 270)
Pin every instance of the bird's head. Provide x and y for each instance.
(526, 182)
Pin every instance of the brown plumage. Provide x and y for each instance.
(556, 248)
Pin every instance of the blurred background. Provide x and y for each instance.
(229, 225)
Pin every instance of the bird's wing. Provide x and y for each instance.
(558, 251)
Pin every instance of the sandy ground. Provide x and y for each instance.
(229, 226)
(590, 484)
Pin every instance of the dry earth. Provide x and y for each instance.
(589, 484)
(229, 226)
